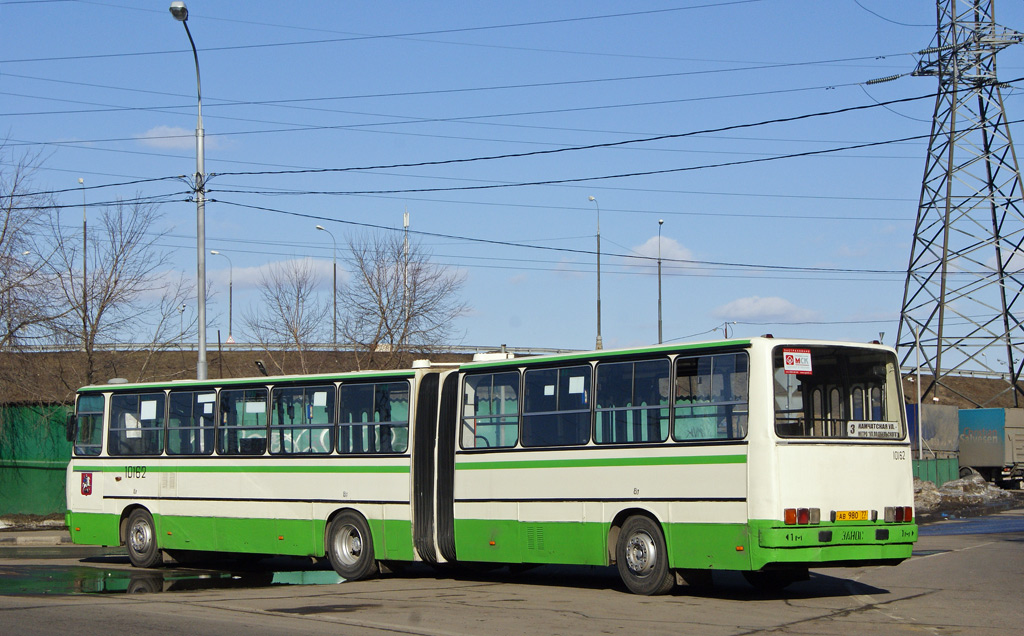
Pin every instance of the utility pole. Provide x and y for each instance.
(660, 223)
(599, 344)
(405, 280)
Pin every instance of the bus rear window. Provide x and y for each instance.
(837, 392)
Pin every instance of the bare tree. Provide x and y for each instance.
(397, 301)
(26, 302)
(25, 292)
(289, 315)
(125, 298)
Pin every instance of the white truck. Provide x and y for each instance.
(992, 443)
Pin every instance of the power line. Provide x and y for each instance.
(405, 120)
(386, 36)
(882, 17)
(806, 269)
(610, 144)
(809, 153)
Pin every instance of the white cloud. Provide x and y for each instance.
(758, 309)
(249, 277)
(168, 138)
(670, 249)
(176, 138)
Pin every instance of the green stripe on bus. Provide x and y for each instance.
(141, 461)
(601, 462)
(392, 538)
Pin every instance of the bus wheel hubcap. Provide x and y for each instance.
(141, 536)
(641, 553)
(349, 544)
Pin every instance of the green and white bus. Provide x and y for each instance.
(764, 456)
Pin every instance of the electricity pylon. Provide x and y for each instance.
(965, 280)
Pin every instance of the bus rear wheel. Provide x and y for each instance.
(350, 547)
(140, 538)
(642, 558)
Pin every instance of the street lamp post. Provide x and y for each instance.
(180, 13)
(599, 343)
(85, 279)
(660, 223)
(181, 325)
(334, 335)
(231, 277)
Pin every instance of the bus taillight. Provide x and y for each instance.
(899, 514)
(801, 516)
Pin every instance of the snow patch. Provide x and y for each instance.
(967, 491)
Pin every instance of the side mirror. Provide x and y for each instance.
(70, 428)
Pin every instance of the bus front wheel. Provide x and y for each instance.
(350, 547)
(140, 538)
(642, 558)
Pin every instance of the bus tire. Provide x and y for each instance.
(140, 539)
(350, 547)
(642, 558)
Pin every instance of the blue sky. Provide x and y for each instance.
(809, 246)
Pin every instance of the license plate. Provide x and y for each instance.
(852, 515)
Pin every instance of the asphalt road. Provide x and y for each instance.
(965, 578)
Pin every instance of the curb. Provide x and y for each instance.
(34, 538)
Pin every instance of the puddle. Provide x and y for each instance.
(63, 580)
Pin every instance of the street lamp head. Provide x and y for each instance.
(591, 199)
(320, 227)
(215, 252)
(661, 221)
(179, 11)
(81, 181)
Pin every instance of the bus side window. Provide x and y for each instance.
(556, 407)
(490, 410)
(190, 423)
(374, 418)
(302, 420)
(88, 440)
(136, 424)
(711, 397)
(243, 422)
(631, 401)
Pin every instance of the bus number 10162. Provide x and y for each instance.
(134, 472)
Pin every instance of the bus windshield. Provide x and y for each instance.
(837, 392)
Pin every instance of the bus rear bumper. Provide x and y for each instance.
(835, 545)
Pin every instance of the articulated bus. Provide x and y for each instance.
(763, 456)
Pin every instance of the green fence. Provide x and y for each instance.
(937, 471)
(34, 454)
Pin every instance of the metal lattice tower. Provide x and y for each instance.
(965, 279)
